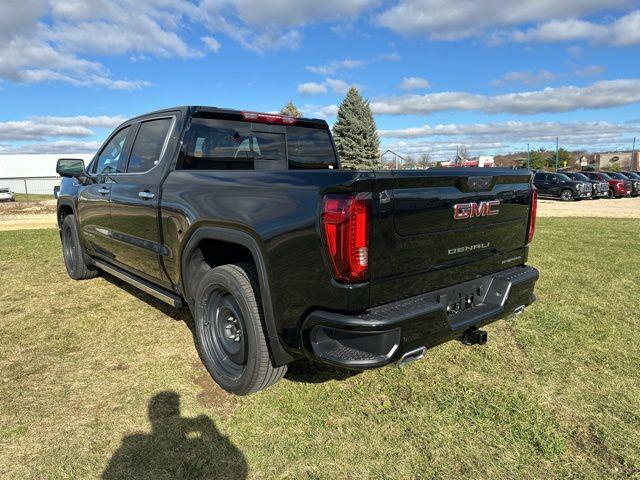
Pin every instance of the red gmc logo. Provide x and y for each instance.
(462, 211)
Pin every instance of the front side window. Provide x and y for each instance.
(148, 145)
(110, 156)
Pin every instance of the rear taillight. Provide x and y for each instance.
(532, 214)
(346, 224)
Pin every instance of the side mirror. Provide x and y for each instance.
(70, 167)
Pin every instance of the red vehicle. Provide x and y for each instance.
(617, 187)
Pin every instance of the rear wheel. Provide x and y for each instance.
(229, 333)
(566, 195)
(73, 253)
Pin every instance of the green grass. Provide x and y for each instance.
(33, 197)
(90, 372)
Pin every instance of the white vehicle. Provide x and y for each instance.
(6, 195)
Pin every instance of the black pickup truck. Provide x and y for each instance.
(248, 219)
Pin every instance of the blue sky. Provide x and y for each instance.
(487, 75)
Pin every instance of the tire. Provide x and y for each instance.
(73, 253)
(228, 330)
(566, 196)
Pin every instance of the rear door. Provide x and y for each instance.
(444, 226)
(135, 197)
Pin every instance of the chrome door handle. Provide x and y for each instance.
(103, 191)
(146, 195)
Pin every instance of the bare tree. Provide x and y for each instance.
(409, 162)
(424, 161)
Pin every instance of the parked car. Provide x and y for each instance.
(7, 195)
(634, 178)
(279, 254)
(561, 186)
(599, 189)
(617, 188)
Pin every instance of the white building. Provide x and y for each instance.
(23, 172)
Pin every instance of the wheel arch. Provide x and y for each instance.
(64, 208)
(244, 247)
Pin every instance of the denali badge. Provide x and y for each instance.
(462, 211)
(468, 248)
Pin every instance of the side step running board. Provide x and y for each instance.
(147, 287)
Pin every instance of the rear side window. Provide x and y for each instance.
(269, 151)
(110, 155)
(235, 145)
(310, 148)
(149, 145)
(540, 177)
(218, 145)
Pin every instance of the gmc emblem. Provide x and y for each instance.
(462, 211)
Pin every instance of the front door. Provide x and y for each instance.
(135, 198)
(93, 199)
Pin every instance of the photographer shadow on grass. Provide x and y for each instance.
(177, 448)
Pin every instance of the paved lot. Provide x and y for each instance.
(23, 216)
(615, 208)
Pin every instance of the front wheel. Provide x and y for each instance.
(566, 195)
(73, 253)
(229, 333)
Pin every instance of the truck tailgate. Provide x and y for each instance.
(419, 245)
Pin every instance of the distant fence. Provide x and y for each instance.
(31, 185)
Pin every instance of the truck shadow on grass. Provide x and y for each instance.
(176, 447)
(302, 371)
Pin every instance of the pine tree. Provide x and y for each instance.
(356, 134)
(291, 110)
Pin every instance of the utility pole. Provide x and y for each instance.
(634, 165)
(556, 154)
(528, 157)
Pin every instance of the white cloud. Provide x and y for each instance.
(40, 128)
(516, 132)
(318, 111)
(588, 71)
(338, 86)
(443, 139)
(602, 94)
(333, 84)
(625, 31)
(296, 12)
(336, 66)
(528, 77)
(59, 146)
(211, 43)
(414, 83)
(458, 19)
(312, 88)
(19, 16)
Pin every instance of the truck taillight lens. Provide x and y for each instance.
(532, 214)
(346, 224)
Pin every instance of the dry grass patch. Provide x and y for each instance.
(99, 380)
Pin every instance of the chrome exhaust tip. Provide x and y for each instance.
(412, 356)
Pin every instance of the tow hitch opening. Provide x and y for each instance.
(474, 336)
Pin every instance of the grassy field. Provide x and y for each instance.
(100, 381)
(33, 197)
